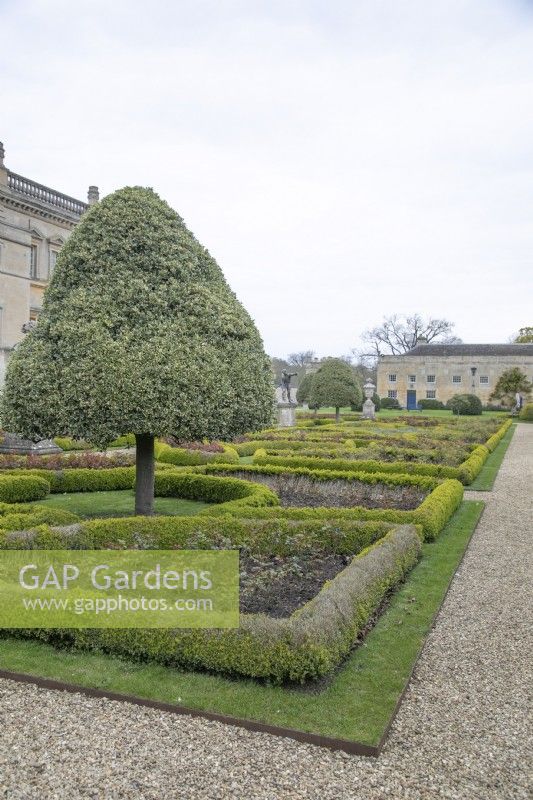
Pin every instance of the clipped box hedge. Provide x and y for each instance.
(259, 536)
(307, 645)
(432, 514)
(23, 488)
(466, 472)
(23, 517)
(182, 456)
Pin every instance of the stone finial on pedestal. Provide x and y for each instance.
(369, 409)
(93, 195)
(3, 168)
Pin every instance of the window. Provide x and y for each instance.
(52, 258)
(392, 393)
(456, 379)
(430, 379)
(431, 394)
(33, 261)
(392, 378)
(412, 378)
(484, 379)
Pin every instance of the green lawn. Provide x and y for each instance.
(485, 480)
(356, 705)
(117, 504)
(392, 412)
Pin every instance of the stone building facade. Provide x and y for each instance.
(35, 222)
(438, 371)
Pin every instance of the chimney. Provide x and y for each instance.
(93, 196)
(2, 154)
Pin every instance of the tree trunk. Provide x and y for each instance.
(337, 414)
(144, 475)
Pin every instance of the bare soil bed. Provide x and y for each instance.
(278, 586)
(300, 491)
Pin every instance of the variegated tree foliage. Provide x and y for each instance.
(139, 333)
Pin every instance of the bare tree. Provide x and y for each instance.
(398, 334)
(301, 359)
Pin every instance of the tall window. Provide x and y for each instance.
(33, 261)
(52, 258)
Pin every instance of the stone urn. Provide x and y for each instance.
(369, 409)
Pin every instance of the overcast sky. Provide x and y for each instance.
(341, 159)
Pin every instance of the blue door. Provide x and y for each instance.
(411, 400)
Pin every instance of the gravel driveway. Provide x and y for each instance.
(461, 732)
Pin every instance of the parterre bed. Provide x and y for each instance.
(315, 568)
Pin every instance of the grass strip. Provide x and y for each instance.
(485, 480)
(117, 503)
(358, 702)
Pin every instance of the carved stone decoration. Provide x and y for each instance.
(369, 409)
(13, 444)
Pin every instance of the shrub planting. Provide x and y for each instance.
(466, 405)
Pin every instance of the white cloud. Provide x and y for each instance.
(341, 160)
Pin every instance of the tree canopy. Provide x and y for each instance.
(304, 389)
(334, 384)
(399, 333)
(139, 333)
(509, 383)
(525, 335)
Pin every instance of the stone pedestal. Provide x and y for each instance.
(12, 444)
(286, 415)
(369, 410)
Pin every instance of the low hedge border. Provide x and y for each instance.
(228, 493)
(261, 457)
(466, 472)
(308, 645)
(262, 536)
(181, 456)
(26, 485)
(325, 474)
(496, 438)
(23, 488)
(81, 479)
(22, 517)
(432, 514)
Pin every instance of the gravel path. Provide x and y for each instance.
(461, 732)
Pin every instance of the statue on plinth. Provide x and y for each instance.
(286, 386)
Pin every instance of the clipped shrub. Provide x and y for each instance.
(526, 413)
(21, 517)
(465, 405)
(23, 488)
(231, 492)
(184, 456)
(389, 402)
(430, 404)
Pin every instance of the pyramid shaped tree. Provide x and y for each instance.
(139, 333)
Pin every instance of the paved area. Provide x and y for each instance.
(460, 734)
